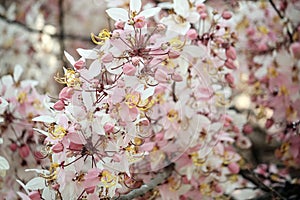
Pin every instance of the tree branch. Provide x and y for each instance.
(160, 178)
(41, 31)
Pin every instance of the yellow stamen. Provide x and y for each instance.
(102, 36)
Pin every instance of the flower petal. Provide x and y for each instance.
(135, 5)
(118, 14)
(150, 12)
(87, 53)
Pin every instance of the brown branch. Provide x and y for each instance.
(41, 31)
(282, 17)
(159, 179)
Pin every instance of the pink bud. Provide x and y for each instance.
(192, 34)
(231, 53)
(38, 155)
(135, 60)
(139, 21)
(35, 195)
(161, 76)
(13, 146)
(247, 129)
(66, 93)
(218, 188)
(229, 78)
(201, 8)
(269, 123)
(79, 64)
(173, 54)
(75, 147)
(59, 105)
(129, 69)
(176, 77)
(24, 151)
(107, 58)
(119, 24)
(58, 147)
(234, 168)
(109, 127)
(90, 190)
(226, 15)
(229, 64)
(55, 186)
(295, 49)
(203, 15)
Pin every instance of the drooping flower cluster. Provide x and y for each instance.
(145, 98)
(20, 102)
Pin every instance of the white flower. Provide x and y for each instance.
(120, 14)
(180, 22)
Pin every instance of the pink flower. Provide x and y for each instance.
(109, 127)
(129, 69)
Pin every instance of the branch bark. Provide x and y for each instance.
(160, 178)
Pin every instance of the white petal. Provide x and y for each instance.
(88, 100)
(42, 132)
(1, 141)
(23, 186)
(23, 196)
(135, 5)
(118, 14)
(181, 7)
(147, 93)
(87, 53)
(4, 165)
(36, 183)
(18, 72)
(48, 194)
(95, 68)
(44, 118)
(150, 12)
(69, 58)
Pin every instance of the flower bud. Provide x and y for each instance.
(269, 123)
(13, 146)
(173, 54)
(231, 53)
(129, 69)
(295, 49)
(90, 190)
(247, 129)
(34, 195)
(119, 25)
(226, 15)
(59, 105)
(75, 147)
(58, 147)
(66, 93)
(109, 127)
(79, 64)
(176, 77)
(24, 151)
(234, 168)
(229, 64)
(192, 34)
(229, 78)
(161, 76)
(107, 58)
